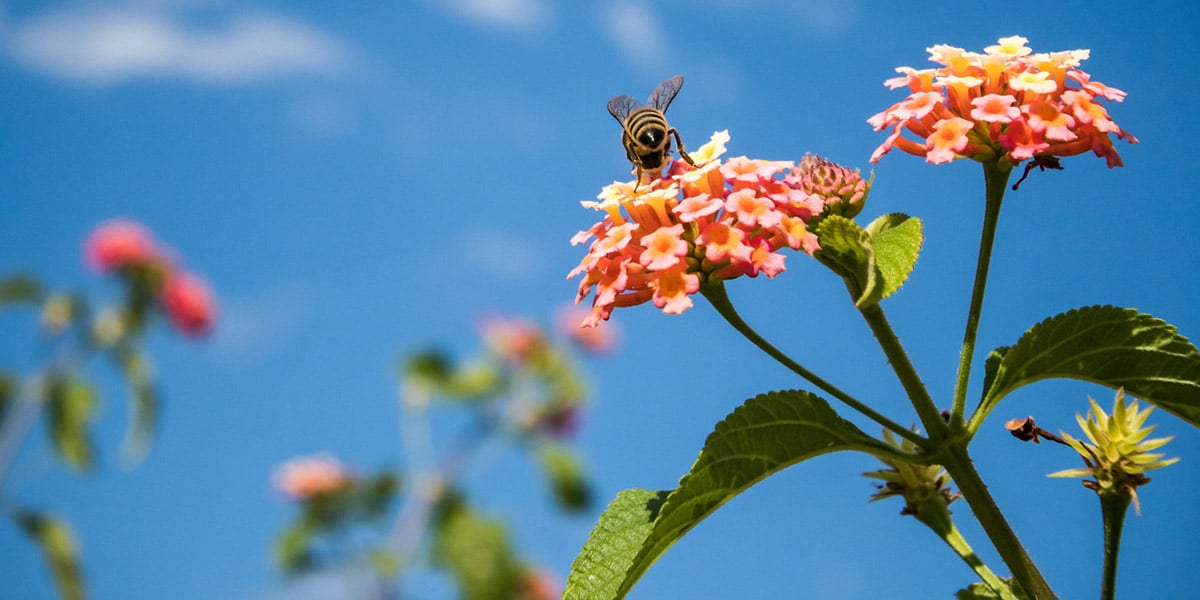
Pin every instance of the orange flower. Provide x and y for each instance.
(1006, 102)
(710, 221)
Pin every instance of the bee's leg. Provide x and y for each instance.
(679, 142)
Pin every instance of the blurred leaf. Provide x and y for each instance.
(763, 436)
(293, 548)
(566, 475)
(896, 241)
(1112, 346)
(16, 289)
(59, 549)
(475, 381)
(70, 406)
(476, 551)
(435, 371)
(144, 404)
(9, 386)
(429, 365)
(60, 311)
(374, 496)
(608, 553)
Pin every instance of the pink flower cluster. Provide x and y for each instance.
(307, 476)
(127, 247)
(660, 239)
(1007, 102)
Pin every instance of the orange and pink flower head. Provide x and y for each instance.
(661, 238)
(1007, 102)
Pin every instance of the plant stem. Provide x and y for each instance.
(935, 427)
(995, 175)
(1114, 506)
(18, 422)
(936, 515)
(715, 293)
(958, 464)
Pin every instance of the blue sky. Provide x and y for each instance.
(362, 180)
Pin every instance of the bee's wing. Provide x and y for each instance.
(662, 95)
(620, 107)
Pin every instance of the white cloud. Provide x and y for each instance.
(514, 15)
(637, 34)
(95, 45)
(502, 254)
(250, 329)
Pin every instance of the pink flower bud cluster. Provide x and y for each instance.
(660, 239)
(127, 247)
(1007, 102)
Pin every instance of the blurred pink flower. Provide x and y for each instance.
(537, 584)
(599, 339)
(514, 339)
(189, 303)
(120, 243)
(307, 476)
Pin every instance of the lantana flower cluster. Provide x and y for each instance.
(128, 249)
(1007, 102)
(720, 219)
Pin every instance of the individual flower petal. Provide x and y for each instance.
(673, 289)
(949, 139)
(995, 108)
(664, 248)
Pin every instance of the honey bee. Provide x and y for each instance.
(645, 132)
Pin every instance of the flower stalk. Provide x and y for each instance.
(717, 296)
(959, 465)
(995, 174)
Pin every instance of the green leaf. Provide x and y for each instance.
(70, 406)
(1112, 346)
(765, 435)
(143, 402)
(874, 261)
(846, 248)
(566, 475)
(896, 241)
(59, 548)
(982, 591)
(477, 552)
(15, 289)
(608, 553)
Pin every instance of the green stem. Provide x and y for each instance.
(716, 294)
(935, 515)
(1114, 507)
(935, 427)
(958, 464)
(995, 175)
